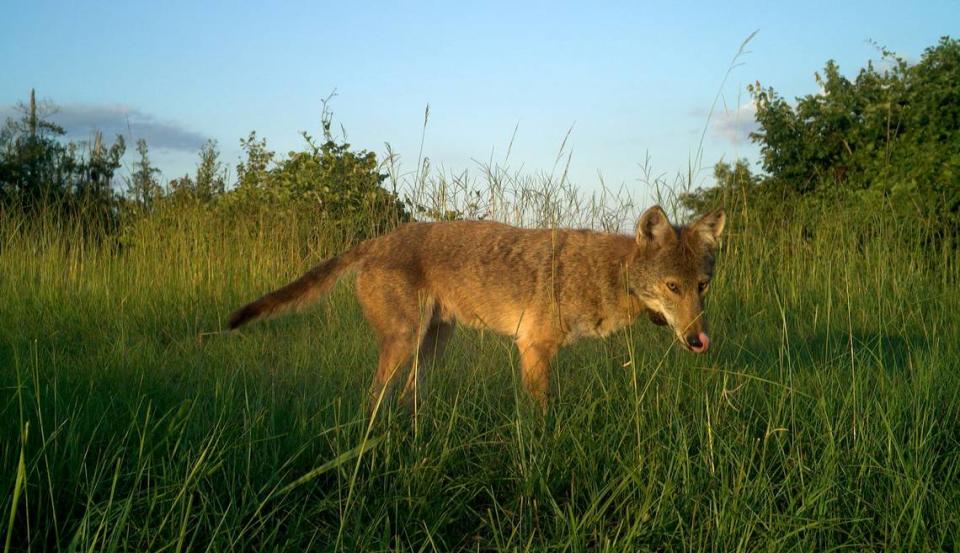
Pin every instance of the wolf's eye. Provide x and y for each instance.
(673, 287)
(703, 285)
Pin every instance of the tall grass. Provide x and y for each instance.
(826, 417)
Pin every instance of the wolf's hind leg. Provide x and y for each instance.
(395, 351)
(399, 316)
(431, 349)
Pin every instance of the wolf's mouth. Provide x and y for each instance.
(656, 317)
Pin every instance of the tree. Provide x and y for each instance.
(39, 170)
(95, 182)
(340, 183)
(329, 180)
(211, 173)
(734, 186)
(143, 186)
(889, 137)
(33, 160)
(210, 180)
(253, 173)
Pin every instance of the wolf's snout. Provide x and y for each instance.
(698, 342)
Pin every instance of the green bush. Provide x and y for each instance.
(329, 182)
(888, 139)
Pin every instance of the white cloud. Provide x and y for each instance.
(736, 124)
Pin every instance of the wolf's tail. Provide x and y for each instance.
(302, 292)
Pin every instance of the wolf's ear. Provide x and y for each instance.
(654, 227)
(710, 226)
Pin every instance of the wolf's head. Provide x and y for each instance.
(672, 270)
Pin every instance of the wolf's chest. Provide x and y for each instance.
(598, 325)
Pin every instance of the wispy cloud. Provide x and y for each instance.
(736, 124)
(81, 120)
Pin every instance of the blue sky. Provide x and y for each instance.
(632, 80)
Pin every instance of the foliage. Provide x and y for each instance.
(39, 170)
(734, 186)
(327, 180)
(341, 188)
(888, 138)
(209, 182)
(143, 186)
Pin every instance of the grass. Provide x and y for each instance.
(827, 416)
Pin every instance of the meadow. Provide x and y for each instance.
(826, 417)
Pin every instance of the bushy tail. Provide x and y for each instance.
(305, 290)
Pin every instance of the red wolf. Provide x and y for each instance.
(544, 287)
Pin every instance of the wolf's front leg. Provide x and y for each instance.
(535, 359)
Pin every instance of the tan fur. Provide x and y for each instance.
(544, 287)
